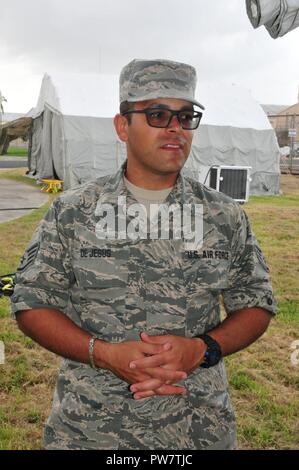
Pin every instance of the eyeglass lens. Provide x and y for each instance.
(162, 117)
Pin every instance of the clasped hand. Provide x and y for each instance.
(158, 363)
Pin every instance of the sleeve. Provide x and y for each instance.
(45, 274)
(249, 279)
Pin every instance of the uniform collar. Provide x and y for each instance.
(115, 187)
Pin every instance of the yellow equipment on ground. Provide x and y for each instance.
(52, 186)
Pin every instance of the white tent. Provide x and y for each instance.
(236, 131)
(73, 137)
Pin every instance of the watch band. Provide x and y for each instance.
(213, 353)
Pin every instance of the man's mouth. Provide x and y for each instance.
(172, 146)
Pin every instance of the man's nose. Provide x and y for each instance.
(174, 124)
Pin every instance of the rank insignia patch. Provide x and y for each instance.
(28, 257)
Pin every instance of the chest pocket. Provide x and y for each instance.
(100, 266)
(207, 269)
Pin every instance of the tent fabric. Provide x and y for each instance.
(236, 131)
(223, 145)
(93, 145)
(57, 144)
(46, 164)
(36, 144)
(231, 105)
(278, 16)
(77, 141)
(74, 139)
(75, 149)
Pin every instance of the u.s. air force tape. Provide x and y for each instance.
(29, 257)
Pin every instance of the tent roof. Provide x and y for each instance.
(96, 95)
(231, 105)
(92, 95)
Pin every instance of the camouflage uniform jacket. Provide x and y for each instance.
(118, 288)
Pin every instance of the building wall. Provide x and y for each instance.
(282, 122)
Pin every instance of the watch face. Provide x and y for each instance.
(213, 353)
(214, 358)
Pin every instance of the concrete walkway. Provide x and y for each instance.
(18, 199)
(7, 161)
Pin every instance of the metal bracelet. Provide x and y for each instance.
(90, 351)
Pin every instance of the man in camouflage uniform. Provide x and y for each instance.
(148, 380)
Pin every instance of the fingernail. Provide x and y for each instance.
(167, 346)
(133, 389)
(132, 366)
(184, 376)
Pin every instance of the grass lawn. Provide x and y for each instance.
(263, 382)
(17, 152)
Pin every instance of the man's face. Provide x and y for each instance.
(157, 150)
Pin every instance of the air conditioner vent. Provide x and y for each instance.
(231, 180)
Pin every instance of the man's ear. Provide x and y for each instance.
(121, 127)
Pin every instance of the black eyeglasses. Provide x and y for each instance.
(157, 117)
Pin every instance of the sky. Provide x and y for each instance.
(100, 36)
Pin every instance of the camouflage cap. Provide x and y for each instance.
(142, 80)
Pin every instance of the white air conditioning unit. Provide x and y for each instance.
(234, 181)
